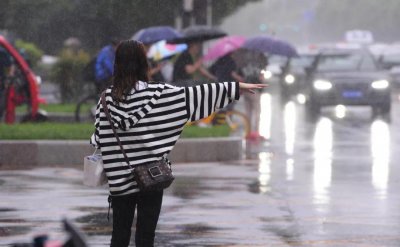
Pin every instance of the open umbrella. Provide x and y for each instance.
(266, 44)
(152, 35)
(162, 50)
(198, 33)
(224, 46)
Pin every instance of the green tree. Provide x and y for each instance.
(67, 73)
(33, 53)
(49, 22)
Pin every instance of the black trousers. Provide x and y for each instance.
(148, 210)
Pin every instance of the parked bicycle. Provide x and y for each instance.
(238, 123)
(84, 113)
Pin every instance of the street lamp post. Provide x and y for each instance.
(209, 13)
(188, 18)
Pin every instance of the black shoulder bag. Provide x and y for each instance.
(152, 176)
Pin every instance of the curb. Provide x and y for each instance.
(59, 117)
(36, 153)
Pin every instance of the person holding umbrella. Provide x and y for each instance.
(155, 68)
(188, 63)
(250, 66)
(149, 36)
(226, 69)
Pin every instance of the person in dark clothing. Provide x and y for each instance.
(225, 69)
(155, 71)
(5, 69)
(187, 64)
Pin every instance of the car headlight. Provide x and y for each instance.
(267, 74)
(322, 85)
(290, 79)
(380, 84)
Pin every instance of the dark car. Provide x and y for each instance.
(293, 79)
(390, 60)
(348, 77)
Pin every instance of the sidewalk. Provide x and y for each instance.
(206, 206)
(209, 204)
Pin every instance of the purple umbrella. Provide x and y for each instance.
(272, 46)
(152, 35)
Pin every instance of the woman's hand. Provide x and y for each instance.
(249, 87)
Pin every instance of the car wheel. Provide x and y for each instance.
(313, 110)
(382, 111)
(385, 109)
(284, 93)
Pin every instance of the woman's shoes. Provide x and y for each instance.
(255, 136)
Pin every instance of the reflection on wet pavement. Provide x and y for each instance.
(328, 182)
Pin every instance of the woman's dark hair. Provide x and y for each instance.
(130, 66)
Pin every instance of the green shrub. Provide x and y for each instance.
(33, 52)
(83, 131)
(67, 72)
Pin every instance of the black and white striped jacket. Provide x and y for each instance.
(149, 122)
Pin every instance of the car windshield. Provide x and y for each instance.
(302, 61)
(346, 62)
(277, 60)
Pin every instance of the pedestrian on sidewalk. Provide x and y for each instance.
(104, 65)
(149, 118)
(188, 65)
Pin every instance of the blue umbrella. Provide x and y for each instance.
(272, 46)
(152, 35)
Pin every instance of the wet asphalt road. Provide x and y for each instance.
(329, 182)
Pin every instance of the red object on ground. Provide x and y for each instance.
(13, 99)
(254, 136)
(10, 106)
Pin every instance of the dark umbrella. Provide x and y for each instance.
(198, 33)
(152, 35)
(272, 46)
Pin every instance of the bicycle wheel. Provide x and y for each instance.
(238, 123)
(86, 108)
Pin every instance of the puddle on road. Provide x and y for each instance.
(181, 189)
(191, 235)
(197, 229)
(7, 210)
(95, 224)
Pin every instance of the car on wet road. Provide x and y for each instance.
(294, 75)
(348, 77)
(390, 60)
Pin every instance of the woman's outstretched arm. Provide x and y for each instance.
(203, 100)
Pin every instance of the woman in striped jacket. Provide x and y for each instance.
(149, 119)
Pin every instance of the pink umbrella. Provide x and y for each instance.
(224, 46)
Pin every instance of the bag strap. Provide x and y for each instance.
(107, 112)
